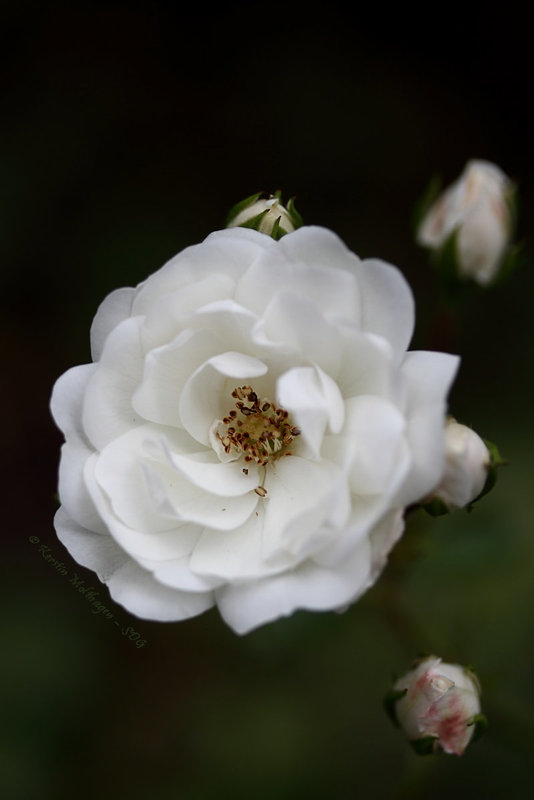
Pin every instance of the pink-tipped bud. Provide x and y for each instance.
(437, 705)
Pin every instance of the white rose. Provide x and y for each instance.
(441, 701)
(476, 206)
(174, 510)
(467, 461)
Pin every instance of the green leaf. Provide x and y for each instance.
(390, 700)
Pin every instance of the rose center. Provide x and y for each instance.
(256, 428)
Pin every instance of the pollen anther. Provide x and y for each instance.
(259, 431)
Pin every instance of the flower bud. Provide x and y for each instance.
(438, 706)
(467, 463)
(266, 214)
(474, 216)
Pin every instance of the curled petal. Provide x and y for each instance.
(67, 400)
(203, 397)
(315, 403)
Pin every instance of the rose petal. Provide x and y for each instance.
(372, 436)
(120, 472)
(314, 402)
(387, 304)
(166, 317)
(177, 574)
(229, 322)
(245, 606)
(107, 408)
(139, 592)
(292, 319)
(366, 364)
(72, 488)
(67, 398)
(300, 495)
(203, 396)
(428, 377)
(205, 471)
(236, 554)
(116, 307)
(177, 498)
(228, 252)
(302, 264)
(92, 550)
(139, 544)
(167, 369)
(383, 538)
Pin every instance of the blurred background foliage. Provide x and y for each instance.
(128, 130)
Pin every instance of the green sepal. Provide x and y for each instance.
(512, 260)
(480, 721)
(436, 508)
(425, 746)
(445, 262)
(296, 218)
(255, 222)
(277, 232)
(425, 202)
(471, 672)
(495, 462)
(241, 206)
(390, 700)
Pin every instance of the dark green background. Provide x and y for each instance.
(128, 129)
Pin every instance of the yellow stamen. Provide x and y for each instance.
(257, 428)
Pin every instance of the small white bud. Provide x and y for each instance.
(266, 215)
(467, 461)
(476, 207)
(438, 706)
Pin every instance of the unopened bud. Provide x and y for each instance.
(438, 706)
(266, 214)
(471, 223)
(467, 464)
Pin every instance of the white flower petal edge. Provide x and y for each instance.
(251, 430)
